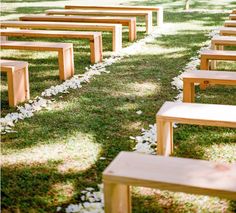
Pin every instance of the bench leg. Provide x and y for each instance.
(117, 38)
(160, 17)
(66, 63)
(148, 20)
(18, 86)
(117, 198)
(132, 31)
(188, 91)
(204, 65)
(221, 47)
(164, 138)
(96, 50)
(213, 62)
(4, 38)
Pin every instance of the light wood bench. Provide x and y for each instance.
(95, 38)
(190, 113)
(64, 50)
(115, 29)
(157, 9)
(17, 79)
(204, 77)
(232, 16)
(230, 23)
(219, 42)
(146, 14)
(233, 11)
(207, 55)
(227, 31)
(125, 21)
(173, 174)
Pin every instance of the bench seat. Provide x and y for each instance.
(227, 31)
(232, 16)
(95, 38)
(164, 173)
(65, 53)
(190, 113)
(146, 14)
(157, 9)
(125, 21)
(230, 23)
(17, 80)
(204, 77)
(115, 29)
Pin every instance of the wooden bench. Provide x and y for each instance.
(218, 42)
(233, 11)
(157, 9)
(95, 38)
(190, 113)
(207, 55)
(17, 79)
(173, 174)
(125, 21)
(230, 23)
(146, 14)
(115, 29)
(204, 77)
(65, 53)
(227, 31)
(232, 16)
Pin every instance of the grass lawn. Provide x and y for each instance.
(57, 153)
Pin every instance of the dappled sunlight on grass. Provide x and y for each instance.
(143, 89)
(63, 191)
(78, 153)
(223, 152)
(176, 202)
(205, 142)
(132, 126)
(127, 107)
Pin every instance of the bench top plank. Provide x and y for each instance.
(224, 40)
(119, 20)
(219, 54)
(232, 16)
(174, 174)
(61, 25)
(198, 114)
(35, 45)
(9, 65)
(97, 13)
(48, 33)
(213, 75)
(230, 23)
(111, 7)
(228, 30)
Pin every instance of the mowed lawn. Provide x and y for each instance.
(56, 154)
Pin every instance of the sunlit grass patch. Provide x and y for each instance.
(160, 201)
(77, 154)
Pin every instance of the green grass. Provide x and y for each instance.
(55, 154)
